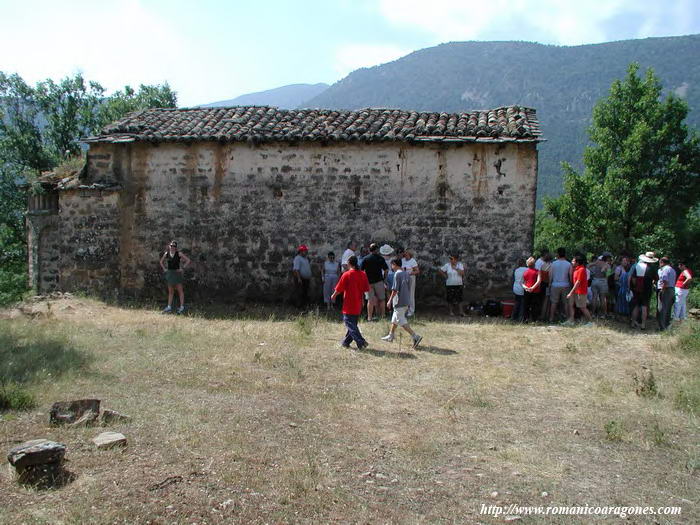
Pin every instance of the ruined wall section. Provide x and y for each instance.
(241, 210)
(88, 233)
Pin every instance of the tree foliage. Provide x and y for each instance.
(641, 183)
(40, 128)
(127, 100)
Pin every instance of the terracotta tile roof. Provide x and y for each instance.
(271, 124)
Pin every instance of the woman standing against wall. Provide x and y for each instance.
(453, 272)
(329, 276)
(173, 264)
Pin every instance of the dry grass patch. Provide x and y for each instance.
(260, 417)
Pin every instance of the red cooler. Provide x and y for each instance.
(507, 307)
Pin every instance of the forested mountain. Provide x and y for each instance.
(561, 83)
(285, 97)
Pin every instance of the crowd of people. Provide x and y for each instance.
(555, 288)
(550, 288)
(364, 279)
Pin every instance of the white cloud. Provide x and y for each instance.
(114, 43)
(354, 56)
(547, 21)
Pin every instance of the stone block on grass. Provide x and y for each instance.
(79, 412)
(108, 440)
(109, 417)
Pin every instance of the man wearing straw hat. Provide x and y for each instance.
(387, 252)
(641, 282)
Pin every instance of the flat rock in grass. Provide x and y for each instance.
(68, 412)
(109, 439)
(112, 416)
(86, 420)
(36, 452)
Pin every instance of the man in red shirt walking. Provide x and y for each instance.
(353, 284)
(579, 292)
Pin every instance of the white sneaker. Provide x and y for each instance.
(167, 309)
(181, 309)
(389, 338)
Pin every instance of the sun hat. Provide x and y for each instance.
(303, 248)
(649, 257)
(386, 250)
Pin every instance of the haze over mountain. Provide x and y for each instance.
(285, 97)
(561, 83)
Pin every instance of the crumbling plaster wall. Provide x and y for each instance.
(240, 210)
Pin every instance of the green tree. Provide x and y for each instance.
(21, 143)
(40, 128)
(122, 102)
(641, 175)
(70, 108)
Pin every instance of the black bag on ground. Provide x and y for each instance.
(492, 308)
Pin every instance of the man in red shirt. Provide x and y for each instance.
(353, 284)
(579, 292)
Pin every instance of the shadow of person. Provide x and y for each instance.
(384, 353)
(46, 477)
(436, 350)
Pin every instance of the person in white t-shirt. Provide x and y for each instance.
(349, 252)
(453, 272)
(410, 265)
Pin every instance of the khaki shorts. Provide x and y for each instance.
(558, 294)
(599, 287)
(399, 315)
(579, 300)
(377, 290)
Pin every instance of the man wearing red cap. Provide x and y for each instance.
(353, 284)
(302, 277)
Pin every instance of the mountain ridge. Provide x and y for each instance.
(284, 97)
(561, 82)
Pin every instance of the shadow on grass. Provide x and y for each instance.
(436, 350)
(30, 352)
(46, 477)
(384, 353)
(219, 311)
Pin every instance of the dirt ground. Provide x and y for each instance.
(260, 417)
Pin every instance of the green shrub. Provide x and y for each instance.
(14, 397)
(688, 397)
(614, 430)
(13, 284)
(689, 339)
(694, 297)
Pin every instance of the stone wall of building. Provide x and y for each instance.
(90, 252)
(77, 247)
(240, 210)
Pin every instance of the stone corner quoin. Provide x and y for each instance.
(241, 188)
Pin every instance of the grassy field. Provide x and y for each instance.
(259, 417)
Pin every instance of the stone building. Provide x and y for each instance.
(241, 187)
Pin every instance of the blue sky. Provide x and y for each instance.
(211, 50)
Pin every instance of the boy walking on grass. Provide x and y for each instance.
(400, 299)
(352, 284)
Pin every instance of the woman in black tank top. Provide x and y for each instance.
(173, 263)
